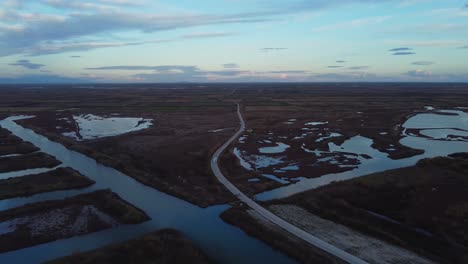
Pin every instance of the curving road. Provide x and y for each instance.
(314, 241)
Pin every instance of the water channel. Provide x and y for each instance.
(221, 241)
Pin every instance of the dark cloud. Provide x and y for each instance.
(272, 49)
(335, 66)
(27, 64)
(463, 47)
(359, 68)
(75, 56)
(230, 66)
(422, 63)
(341, 61)
(403, 53)
(400, 49)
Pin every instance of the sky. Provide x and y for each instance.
(111, 41)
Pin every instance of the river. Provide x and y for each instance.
(221, 241)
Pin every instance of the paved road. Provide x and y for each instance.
(343, 255)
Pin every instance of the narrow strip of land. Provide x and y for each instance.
(314, 241)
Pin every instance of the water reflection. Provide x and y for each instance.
(223, 242)
(380, 161)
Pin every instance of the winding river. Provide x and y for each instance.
(222, 242)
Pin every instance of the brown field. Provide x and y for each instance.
(423, 207)
(280, 116)
(173, 155)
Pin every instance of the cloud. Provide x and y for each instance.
(79, 22)
(400, 49)
(75, 56)
(463, 47)
(288, 72)
(37, 32)
(427, 43)
(223, 73)
(359, 68)
(423, 63)
(27, 64)
(344, 77)
(272, 49)
(230, 66)
(177, 73)
(335, 66)
(208, 35)
(341, 61)
(418, 73)
(54, 47)
(159, 73)
(169, 73)
(355, 23)
(403, 53)
(406, 3)
(162, 68)
(61, 47)
(423, 75)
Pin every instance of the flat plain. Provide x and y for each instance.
(164, 136)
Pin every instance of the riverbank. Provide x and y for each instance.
(58, 179)
(12, 145)
(28, 161)
(47, 221)
(166, 246)
(256, 226)
(171, 156)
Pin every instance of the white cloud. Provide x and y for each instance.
(355, 23)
